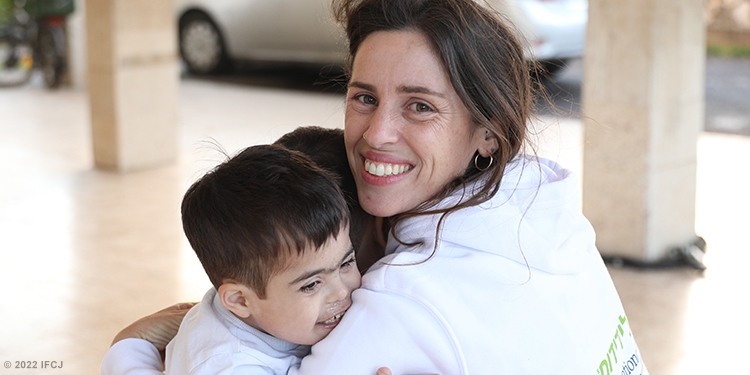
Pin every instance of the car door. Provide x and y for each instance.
(284, 30)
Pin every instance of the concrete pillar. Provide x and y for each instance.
(643, 107)
(133, 82)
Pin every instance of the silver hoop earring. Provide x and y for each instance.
(486, 167)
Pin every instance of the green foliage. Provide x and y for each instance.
(723, 50)
(6, 10)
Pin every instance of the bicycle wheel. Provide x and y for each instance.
(16, 61)
(51, 41)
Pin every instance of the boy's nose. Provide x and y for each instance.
(341, 289)
(338, 299)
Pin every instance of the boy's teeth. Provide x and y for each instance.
(385, 169)
(334, 319)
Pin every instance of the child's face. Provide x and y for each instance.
(306, 300)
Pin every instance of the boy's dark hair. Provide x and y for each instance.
(326, 148)
(247, 215)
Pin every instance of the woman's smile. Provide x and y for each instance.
(385, 169)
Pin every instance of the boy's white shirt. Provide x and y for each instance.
(516, 286)
(212, 340)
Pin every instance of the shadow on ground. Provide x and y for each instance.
(329, 79)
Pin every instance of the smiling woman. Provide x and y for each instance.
(490, 266)
(410, 121)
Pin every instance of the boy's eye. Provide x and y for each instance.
(309, 287)
(349, 263)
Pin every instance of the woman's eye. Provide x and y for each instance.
(309, 287)
(366, 99)
(421, 107)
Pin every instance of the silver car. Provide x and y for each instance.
(215, 33)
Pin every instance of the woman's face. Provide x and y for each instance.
(408, 134)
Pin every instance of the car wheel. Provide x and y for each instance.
(201, 44)
(16, 61)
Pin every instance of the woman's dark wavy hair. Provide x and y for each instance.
(484, 58)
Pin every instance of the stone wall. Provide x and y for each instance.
(728, 22)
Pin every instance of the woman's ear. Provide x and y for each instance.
(488, 145)
(238, 298)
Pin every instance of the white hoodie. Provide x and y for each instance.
(514, 286)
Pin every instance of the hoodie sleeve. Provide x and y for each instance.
(132, 357)
(386, 329)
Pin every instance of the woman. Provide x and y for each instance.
(490, 266)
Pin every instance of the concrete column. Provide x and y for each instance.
(133, 82)
(643, 107)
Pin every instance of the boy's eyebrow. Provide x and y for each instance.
(404, 89)
(312, 273)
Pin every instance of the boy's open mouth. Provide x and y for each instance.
(335, 318)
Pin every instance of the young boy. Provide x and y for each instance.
(271, 230)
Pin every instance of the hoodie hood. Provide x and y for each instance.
(534, 219)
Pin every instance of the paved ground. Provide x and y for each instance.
(727, 94)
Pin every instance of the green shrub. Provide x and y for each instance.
(723, 50)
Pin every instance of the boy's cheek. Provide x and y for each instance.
(357, 282)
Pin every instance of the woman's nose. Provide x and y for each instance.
(382, 127)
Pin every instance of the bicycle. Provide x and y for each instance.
(16, 51)
(34, 37)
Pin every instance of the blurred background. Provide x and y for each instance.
(109, 109)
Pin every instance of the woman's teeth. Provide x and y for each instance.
(385, 169)
(335, 319)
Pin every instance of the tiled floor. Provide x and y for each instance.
(84, 252)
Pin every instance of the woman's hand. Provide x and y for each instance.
(158, 328)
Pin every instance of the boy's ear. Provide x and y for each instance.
(238, 298)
